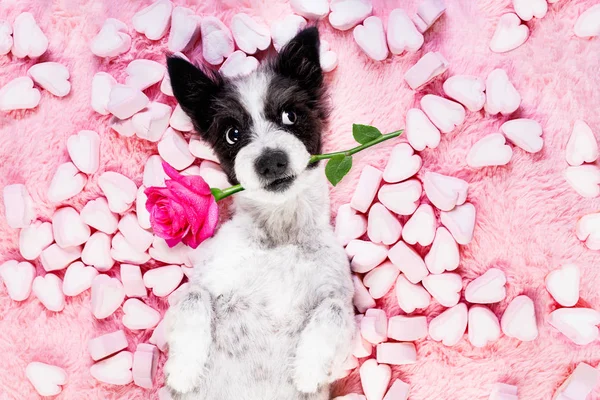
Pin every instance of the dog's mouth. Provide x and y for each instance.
(280, 184)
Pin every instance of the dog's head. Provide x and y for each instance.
(263, 127)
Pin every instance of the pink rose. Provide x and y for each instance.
(185, 211)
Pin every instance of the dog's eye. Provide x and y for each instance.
(288, 117)
(232, 135)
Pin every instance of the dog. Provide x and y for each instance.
(269, 313)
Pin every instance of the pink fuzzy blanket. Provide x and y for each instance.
(526, 211)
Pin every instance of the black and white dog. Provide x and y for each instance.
(269, 312)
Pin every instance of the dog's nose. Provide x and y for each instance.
(272, 164)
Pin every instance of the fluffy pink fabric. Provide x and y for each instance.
(526, 210)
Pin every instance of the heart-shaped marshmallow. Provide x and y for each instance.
(327, 57)
(142, 214)
(152, 122)
(174, 149)
(124, 252)
(580, 383)
(48, 290)
(28, 38)
(55, 257)
(131, 276)
(500, 94)
(211, 172)
(163, 280)
(6, 40)
(375, 379)
(18, 206)
(527, 9)
(428, 12)
(370, 37)
(509, 34)
(52, 76)
(160, 251)
(141, 74)
(34, 239)
(185, 29)
(102, 84)
(165, 85)
(138, 315)
(153, 21)
(503, 391)
(178, 294)
(140, 239)
(401, 198)
(310, 9)
(402, 34)
(346, 14)
(250, 36)
(582, 145)
(408, 261)
(563, 285)
(398, 391)
(444, 113)
(107, 296)
(407, 329)
(18, 278)
(115, 370)
(525, 133)
(467, 90)
(381, 279)
(19, 94)
(66, 183)
(124, 101)
(488, 288)
(107, 344)
(420, 131)
(426, 69)
(283, 31)
(238, 64)
(119, 190)
(145, 363)
(420, 228)
(366, 188)
(78, 278)
(445, 288)
(383, 226)
(123, 127)
(373, 326)
(96, 252)
(217, 41)
(445, 192)
(180, 121)
(97, 215)
(584, 179)
(111, 40)
(84, 150)
(518, 320)
(362, 299)
(200, 149)
(490, 150)
(411, 296)
(158, 337)
(154, 173)
(46, 379)
(588, 23)
(460, 222)
(68, 228)
(396, 353)
(364, 256)
(449, 327)
(443, 255)
(578, 324)
(484, 327)
(348, 224)
(402, 164)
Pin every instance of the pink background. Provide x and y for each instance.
(526, 210)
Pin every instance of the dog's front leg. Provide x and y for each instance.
(189, 336)
(324, 344)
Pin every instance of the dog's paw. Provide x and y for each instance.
(182, 376)
(308, 380)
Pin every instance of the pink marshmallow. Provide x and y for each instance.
(366, 189)
(425, 70)
(131, 277)
(373, 326)
(158, 337)
(362, 298)
(375, 379)
(503, 391)
(428, 12)
(173, 148)
(106, 345)
(362, 348)
(115, 370)
(381, 279)
(68, 228)
(581, 382)
(398, 391)
(349, 224)
(407, 329)
(124, 101)
(18, 206)
(54, 257)
(408, 261)
(365, 255)
(144, 366)
(396, 353)
(139, 238)
(164, 394)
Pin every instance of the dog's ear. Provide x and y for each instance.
(299, 60)
(195, 90)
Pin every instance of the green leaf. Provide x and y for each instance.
(337, 167)
(365, 133)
